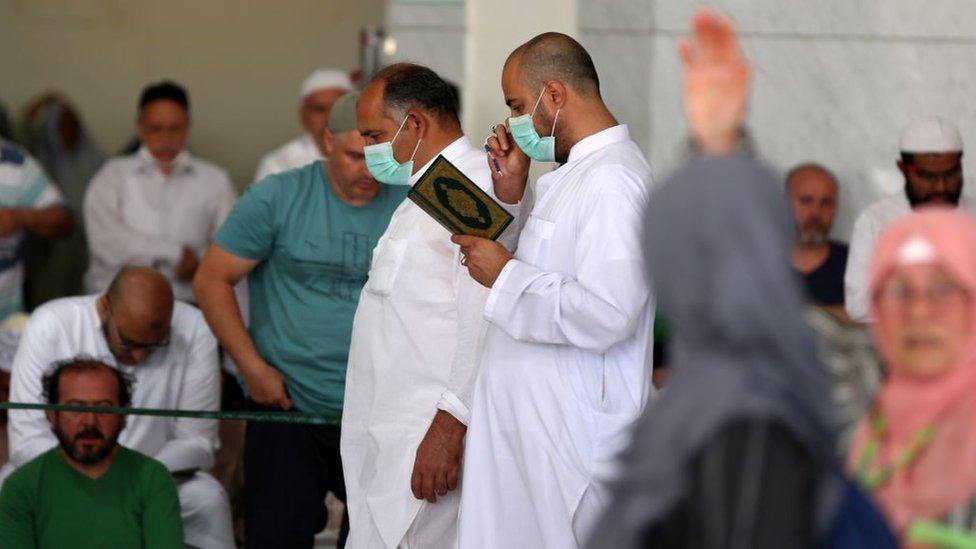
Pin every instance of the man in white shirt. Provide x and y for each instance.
(563, 374)
(29, 203)
(414, 352)
(160, 206)
(318, 94)
(168, 349)
(931, 161)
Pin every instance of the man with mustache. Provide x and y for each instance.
(159, 207)
(304, 240)
(931, 162)
(89, 490)
(166, 347)
(812, 193)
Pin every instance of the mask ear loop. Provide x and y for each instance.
(537, 101)
(399, 129)
(552, 132)
(415, 149)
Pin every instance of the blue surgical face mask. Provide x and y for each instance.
(383, 165)
(534, 146)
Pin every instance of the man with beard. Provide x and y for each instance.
(89, 490)
(812, 193)
(931, 162)
(166, 346)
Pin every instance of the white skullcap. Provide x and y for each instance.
(930, 135)
(324, 79)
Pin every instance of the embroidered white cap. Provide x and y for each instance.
(930, 135)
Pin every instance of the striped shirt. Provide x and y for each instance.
(23, 184)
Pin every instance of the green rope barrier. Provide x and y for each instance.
(273, 416)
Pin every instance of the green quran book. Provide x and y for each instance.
(458, 203)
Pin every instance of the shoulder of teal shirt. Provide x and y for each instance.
(250, 228)
(393, 195)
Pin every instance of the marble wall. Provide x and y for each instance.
(431, 33)
(835, 80)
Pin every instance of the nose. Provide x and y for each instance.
(139, 355)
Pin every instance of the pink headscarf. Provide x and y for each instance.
(944, 474)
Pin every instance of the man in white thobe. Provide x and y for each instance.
(563, 373)
(318, 94)
(416, 334)
(168, 349)
(931, 161)
(159, 207)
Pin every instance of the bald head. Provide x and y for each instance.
(812, 191)
(556, 56)
(141, 303)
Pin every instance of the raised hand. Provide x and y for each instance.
(509, 166)
(717, 78)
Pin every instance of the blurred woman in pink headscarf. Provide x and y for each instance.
(916, 450)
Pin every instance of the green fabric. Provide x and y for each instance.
(315, 252)
(46, 503)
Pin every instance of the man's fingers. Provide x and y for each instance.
(494, 147)
(416, 483)
(440, 483)
(501, 135)
(427, 487)
(463, 240)
(453, 476)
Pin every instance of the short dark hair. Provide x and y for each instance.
(410, 86)
(556, 56)
(165, 90)
(51, 382)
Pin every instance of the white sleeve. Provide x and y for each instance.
(194, 440)
(111, 241)
(602, 304)
(470, 297)
(856, 299)
(28, 430)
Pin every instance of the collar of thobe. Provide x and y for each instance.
(597, 141)
(450, 152)
(183, 162)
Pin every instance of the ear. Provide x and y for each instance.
(328, 142)
(558, 93)
(419, 121)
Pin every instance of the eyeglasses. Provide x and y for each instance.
(939, 295)
(127, 344)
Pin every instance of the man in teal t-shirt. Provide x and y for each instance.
(89, 492)
(304, 239)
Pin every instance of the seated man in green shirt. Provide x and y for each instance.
(89, 491)
(304, 239)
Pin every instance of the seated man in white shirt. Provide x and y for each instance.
(931, 161)
(319, 92)
(166, 346)
(160, 206)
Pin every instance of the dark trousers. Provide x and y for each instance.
(288, 469)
